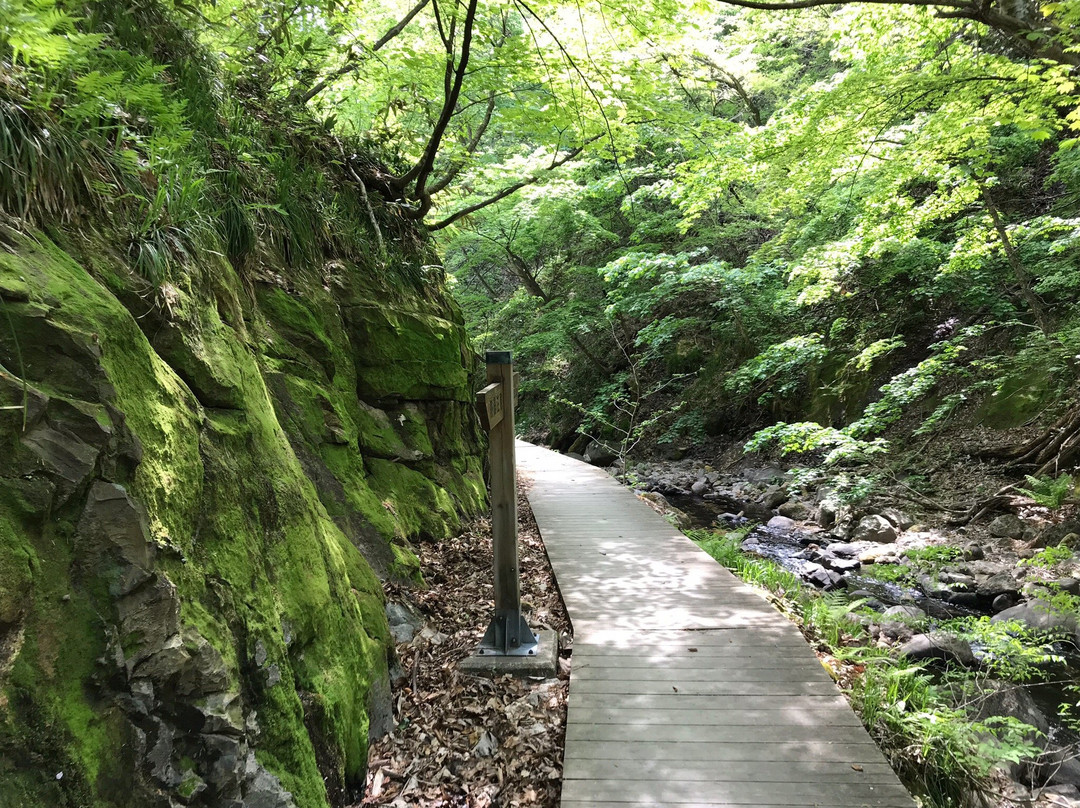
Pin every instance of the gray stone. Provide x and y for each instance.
(1070, 585)
(1002, 583)
(899, 519)
(781, 523)
(1007, 526)
(700, 487)
(826, 513)
(598, 454)
(907, 613)
(404, 621)
(1002, 602)
(794, 510)
(841, 565)
(773, 497)
(159, 750)
(937, 645)
(222, 714)
(763, 475)
(876, 529)
(113, 524)
(843, 549)
(149, 616)
(262, 789)
(820, 576)
(1053, 535)
(1038, 615)
(165, 665)
(974, 552)
(226, 771)
(206, 673)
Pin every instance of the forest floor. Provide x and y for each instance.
(461, 740)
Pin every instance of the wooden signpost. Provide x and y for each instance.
(508, 634)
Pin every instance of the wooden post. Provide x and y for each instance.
(508, 633)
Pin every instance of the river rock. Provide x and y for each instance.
(794, 510)
(820, 576)
(598, 454)
(938, 645)
(1053, 535)
(699, 487)
(1038, 615)
(898, 518)
(1006, 600)
(1070, 585)
(774, 496)
(1007, 526)
(781, 523)
(874, 528)
(908, 613)
(826, 513)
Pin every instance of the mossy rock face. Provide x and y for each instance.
(196, 506)
(1020, 398)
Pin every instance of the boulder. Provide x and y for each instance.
(600, 455)
(820, 576)
(876, 529)
(774, 497)
(1007, 526)
(794, 510)
(1038, 615)
(1054, 535)
(781, 523)
(938, 645)
(899, 519)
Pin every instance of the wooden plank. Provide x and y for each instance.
(762, 771)
(779, 754)
(803, 794)
(708, 688)
(682, 701)
(749, 734)
(747, 718)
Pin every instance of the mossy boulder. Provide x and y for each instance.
(201, 485)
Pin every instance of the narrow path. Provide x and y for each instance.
(687, 688)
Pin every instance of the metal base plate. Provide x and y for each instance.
(508, 635)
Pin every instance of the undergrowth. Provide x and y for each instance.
(942, 750)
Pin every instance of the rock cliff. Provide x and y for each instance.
(201, 484)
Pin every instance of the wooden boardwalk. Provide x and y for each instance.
(687, 687)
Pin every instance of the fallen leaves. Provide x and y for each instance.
(465, 741)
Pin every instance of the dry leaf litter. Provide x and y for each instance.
(462, 740)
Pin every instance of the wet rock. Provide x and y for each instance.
(1007, 526)
(781, 523)
(404, 621)
(938, 645)
(794, 510)
(1038, 615)
(875, 529)
(820, 576)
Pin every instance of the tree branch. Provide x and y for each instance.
(353, 63)
(517, 186)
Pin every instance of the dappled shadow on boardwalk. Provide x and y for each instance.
(687, 687)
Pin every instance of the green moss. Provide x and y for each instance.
(423, 507)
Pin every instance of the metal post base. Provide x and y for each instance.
(508, 635)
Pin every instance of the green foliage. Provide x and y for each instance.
(1048, 557)
(1050, 492)
(780, 370)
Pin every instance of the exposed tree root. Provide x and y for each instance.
(1054, 451)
